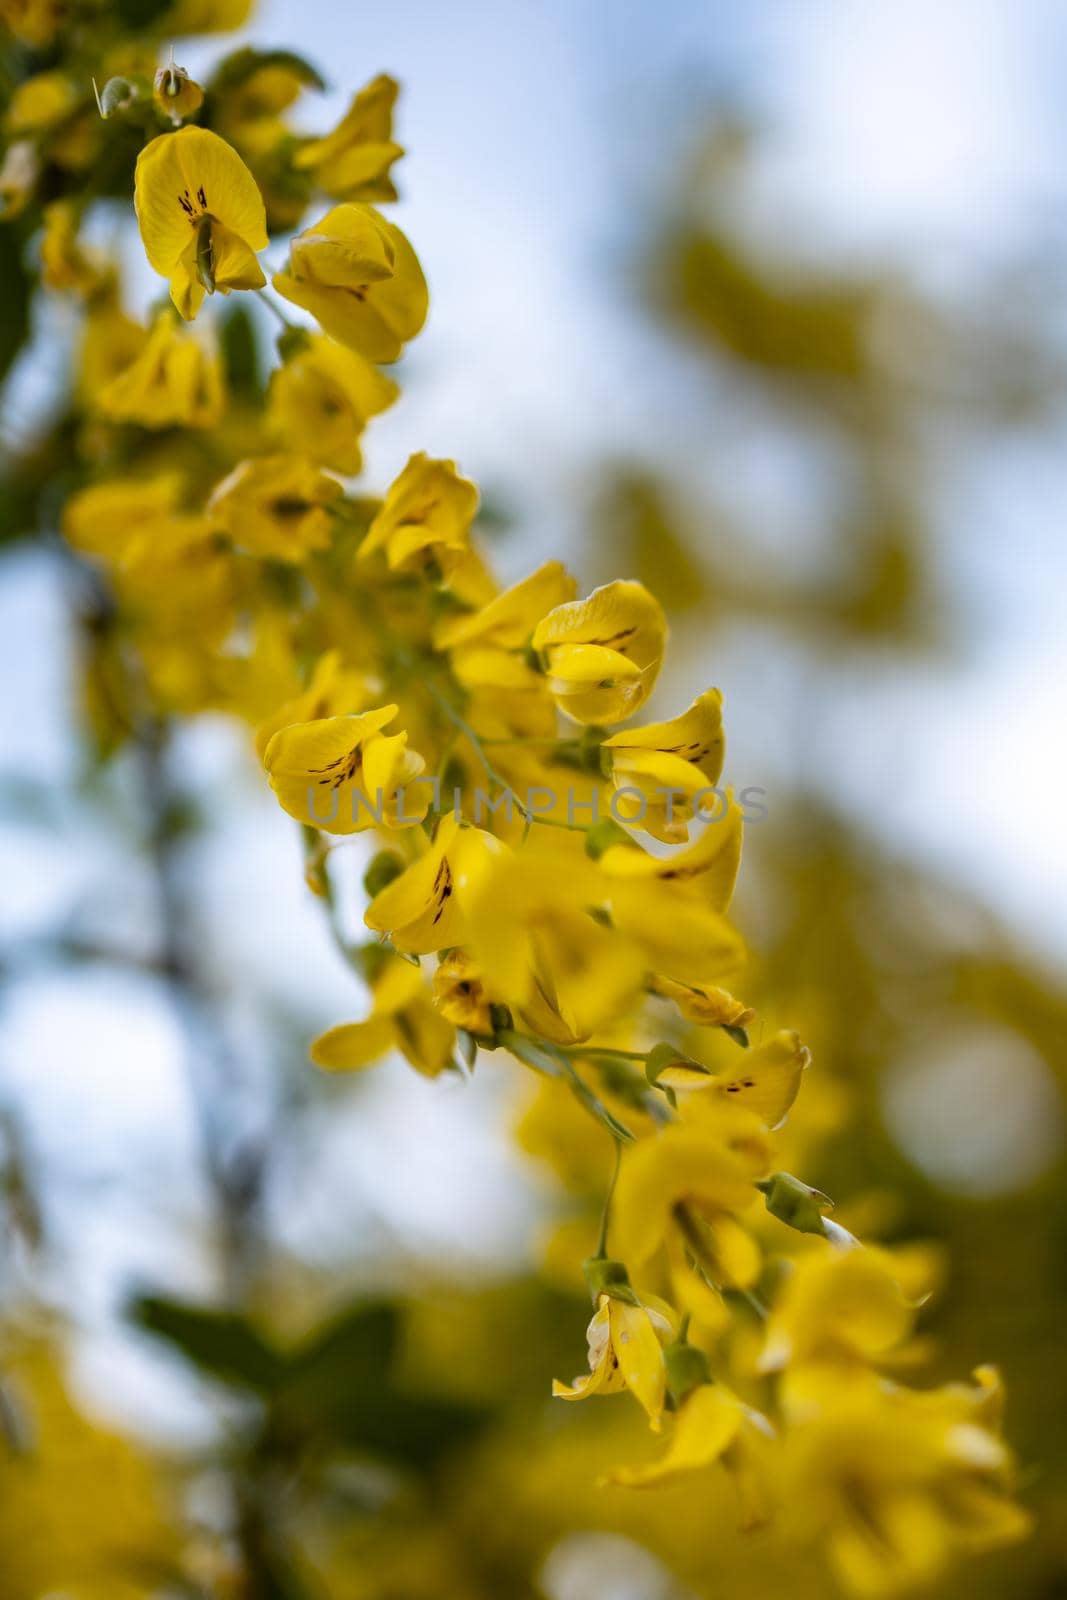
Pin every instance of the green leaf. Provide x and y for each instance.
(238, 67)
(351, 1354)
(240, 353)
(14, 296)
(221, 1344)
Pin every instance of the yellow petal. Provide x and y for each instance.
(767, 1080)
(184, 176)
(640, 1356)
(354, 1044)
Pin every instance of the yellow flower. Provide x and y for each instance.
(425, 518)
(352, 162)
(460, 995)
(705, 870)
(176, 95)
(111, 341)
(713, 1426)
(670, 765)
(98, 1503)
(690, 1183)
(64, 264)
(766, 1082)
(603, 654)
(506, 623)
(33, 22)
(207, 16)
(424, 909)
(543, 954)
(488, 649)
(703, 1004)
(112, 518)
(403, 1017)
(360, 279)
(321, 398)
(625, 1352)
(173, 382)
(342, 774)
(41, 102)
(276, 506)
(898, 1482)
(333, 690)
(837, 1306)
(201, 216)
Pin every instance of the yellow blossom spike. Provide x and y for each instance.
(193, 194)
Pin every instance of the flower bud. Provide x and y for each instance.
(176, 95)
(796, 1204)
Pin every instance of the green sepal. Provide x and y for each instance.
(292, 342)
(205, 268)
(609, 1277)
(668, 1055)
(602, 835)
(382, 870)
(796, 1204)
(738, 1035)
(687, 1369)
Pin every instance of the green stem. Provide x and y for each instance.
(605, 1215)
(272, 304)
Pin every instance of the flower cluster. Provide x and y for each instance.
(547, 884)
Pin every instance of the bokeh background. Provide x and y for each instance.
(760, 304)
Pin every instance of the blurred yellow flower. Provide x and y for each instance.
(425, 519)
(693, 1182)
(333, 690)
(460, 995)
(173, 382)
(837, 1307)
(276, 506)
(403, 1017)
(176, 95)
(353, 162)
(320, 400)
(897, 1482)
(712, 1425)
